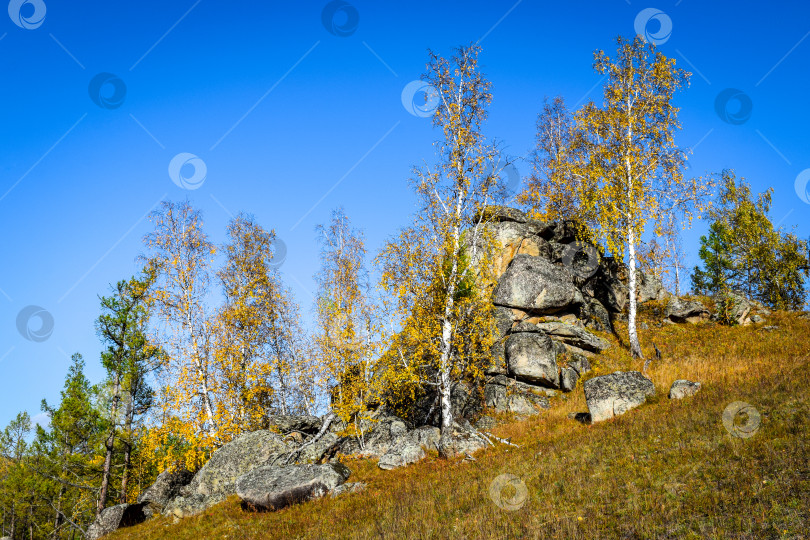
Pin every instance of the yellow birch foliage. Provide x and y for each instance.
(181, 255)
(346, 338)
(252, 291)
(226, 369)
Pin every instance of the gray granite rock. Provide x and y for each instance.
(615, 394)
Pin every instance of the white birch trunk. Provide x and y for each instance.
(635, 347)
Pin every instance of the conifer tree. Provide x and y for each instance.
(128, 358)
(745, 252)
(71, 448)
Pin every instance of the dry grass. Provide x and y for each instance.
(664, 470)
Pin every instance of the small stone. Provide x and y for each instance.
(350, 487)
(683, 388)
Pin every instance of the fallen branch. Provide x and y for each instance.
(507, 442)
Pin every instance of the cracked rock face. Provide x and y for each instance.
(615, 394)
(568, 334)
(115, 517)
(402, 453)
(509, 395)
(167, 486)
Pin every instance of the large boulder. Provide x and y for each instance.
(379, 433)
(427, 437)
(403, 452)
(271, 487)
(515, 239)
(166, 487)
(532, 357)
(461, 439)
(596, 315)
(615, 394)
(216, 480)
(681, 310)
(497, 214)
(509, 395)
(409, 447)
(568, 378)
(313, 453)
(609, 285)
(535, 284)
(114, 518)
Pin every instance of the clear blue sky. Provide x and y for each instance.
(292, 121)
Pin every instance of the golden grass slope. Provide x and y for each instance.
(668, 469)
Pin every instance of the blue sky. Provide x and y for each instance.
(292, 120)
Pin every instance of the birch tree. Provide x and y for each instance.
(259, 343)
(181, 256)
(437, 268)
(345, 339)
(548, 191)
(628, 167)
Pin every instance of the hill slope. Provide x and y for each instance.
(668, 469)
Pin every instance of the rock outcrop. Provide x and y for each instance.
(681, 310)
(505, 394)
(288, 423)
(553, 292)
(535, 284)
(733, 307)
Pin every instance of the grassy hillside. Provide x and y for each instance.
(665, 470)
